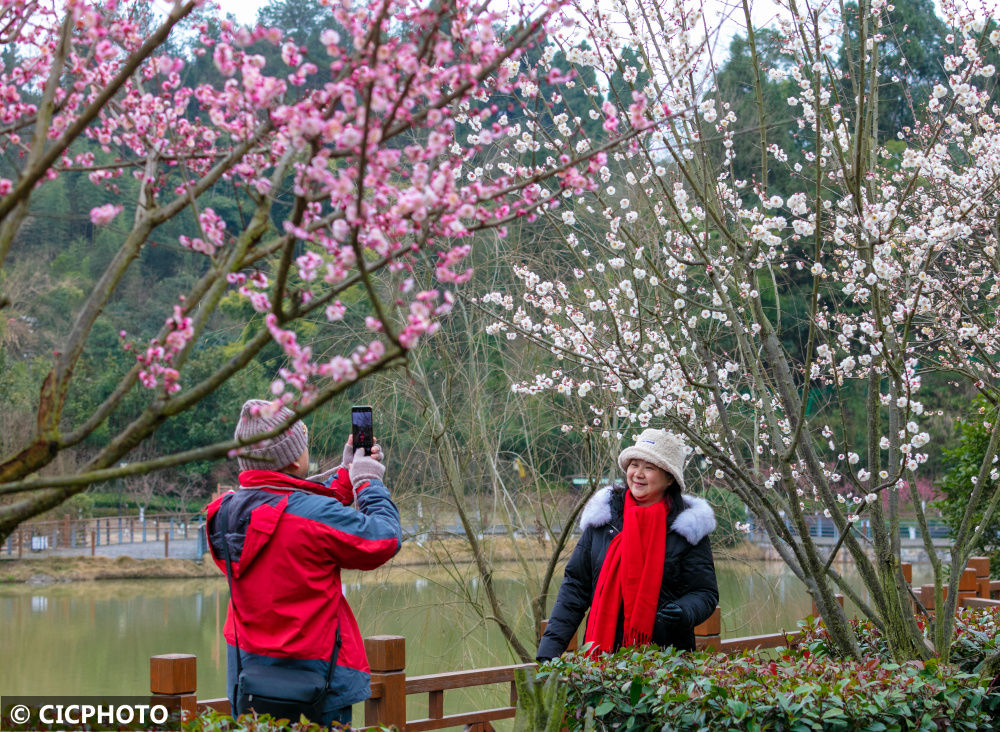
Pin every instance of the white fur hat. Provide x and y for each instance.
(661, 448)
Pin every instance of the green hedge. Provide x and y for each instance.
(212, 721)
(107, 504)
(975, 637)
(793, 690)
(797, 692)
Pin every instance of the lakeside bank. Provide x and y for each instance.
(65, 568)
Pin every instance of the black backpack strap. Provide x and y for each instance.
(222, 524)
(333, 657)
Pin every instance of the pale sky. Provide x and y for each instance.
(730, 12)
(244, 10)
(762, 10)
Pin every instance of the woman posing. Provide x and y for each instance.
(643, 566)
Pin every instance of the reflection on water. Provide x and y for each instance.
(97, 637)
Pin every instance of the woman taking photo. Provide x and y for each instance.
(643, 566)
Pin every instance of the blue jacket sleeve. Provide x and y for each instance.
(362, 538)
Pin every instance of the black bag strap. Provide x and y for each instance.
(222, 521)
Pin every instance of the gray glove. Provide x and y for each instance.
(348, 457)
(364, 468)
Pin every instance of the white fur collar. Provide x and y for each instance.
(597, 512)
(694, 523)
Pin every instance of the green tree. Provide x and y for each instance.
(910, 61)
(303, 22)
(964, 460)
(631, 74)
(735, 87)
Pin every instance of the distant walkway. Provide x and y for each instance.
(179, 549)
(156, 537)
(911, 550)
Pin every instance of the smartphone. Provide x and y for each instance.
(361, 428)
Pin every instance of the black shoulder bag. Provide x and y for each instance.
(284, 693)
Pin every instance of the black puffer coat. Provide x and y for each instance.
(688, 570)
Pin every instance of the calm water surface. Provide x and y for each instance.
(97, 637)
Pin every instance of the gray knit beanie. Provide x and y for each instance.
(274, 453)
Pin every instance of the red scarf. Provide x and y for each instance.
(630, 577)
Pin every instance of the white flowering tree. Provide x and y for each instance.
(678, 308)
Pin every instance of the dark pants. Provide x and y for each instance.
(342, 715)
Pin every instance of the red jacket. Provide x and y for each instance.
(289, 539)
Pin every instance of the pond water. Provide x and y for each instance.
(97, 637)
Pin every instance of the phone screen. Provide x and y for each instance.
(361, 428)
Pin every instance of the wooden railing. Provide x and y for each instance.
(173, 677)
(391, 687)
(975, 589)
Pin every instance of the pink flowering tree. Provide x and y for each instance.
(377, 195)
(676, 309)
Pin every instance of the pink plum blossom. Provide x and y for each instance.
(104, 215)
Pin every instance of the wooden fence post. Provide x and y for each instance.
(387, 659)
(840, 601)
(574, 641)
(166, 545)
(173, 681)
(927, 596)
(968, 584)
(93, 542)
(907, 569)
(707, 635)
(982, 567)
